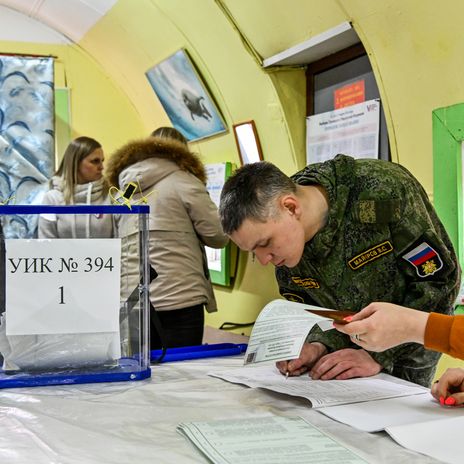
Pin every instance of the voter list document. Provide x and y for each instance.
(320, 392)
(265, 440)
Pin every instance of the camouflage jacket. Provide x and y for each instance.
(382, 241)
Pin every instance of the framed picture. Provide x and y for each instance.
(248, 144)
(185, 98)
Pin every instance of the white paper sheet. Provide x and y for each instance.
(266, 440)
(353, 129)
(319, 392)
(280, 331)
(374, 416)
(439, 439)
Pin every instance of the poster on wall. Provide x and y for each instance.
(219, 260)
(185, 97)
(352, 130)
(27, 141)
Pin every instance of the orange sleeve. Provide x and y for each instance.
(445, 334)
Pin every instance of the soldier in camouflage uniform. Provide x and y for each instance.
(342, 234)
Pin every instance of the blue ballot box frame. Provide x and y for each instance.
(134, 367)
(185, 353)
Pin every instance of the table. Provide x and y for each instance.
(116, 423)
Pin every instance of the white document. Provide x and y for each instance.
(216, 175)
(280, 331)
(375, 416)
(265, 440)
(353, 129)
(441, 440)
(320, 392)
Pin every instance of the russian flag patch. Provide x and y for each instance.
(425, 259)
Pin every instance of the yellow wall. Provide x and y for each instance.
(447, 362)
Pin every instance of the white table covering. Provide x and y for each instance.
(135, 422)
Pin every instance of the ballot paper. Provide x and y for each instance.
(265, 440)
(281, 329)
(321, 393)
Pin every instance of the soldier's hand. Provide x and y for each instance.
(310, 353)
(449, 390)
(345, 364)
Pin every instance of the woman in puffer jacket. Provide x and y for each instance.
(78, 181)
(183, 219)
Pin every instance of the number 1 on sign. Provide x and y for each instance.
(61, 295)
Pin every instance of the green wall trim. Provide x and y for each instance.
(62, 122)
(448, 135)
(228, 254)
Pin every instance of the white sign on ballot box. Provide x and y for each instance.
(61, 286)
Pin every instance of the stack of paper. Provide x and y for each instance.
(266, 440)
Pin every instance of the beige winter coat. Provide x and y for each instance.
(183, 219)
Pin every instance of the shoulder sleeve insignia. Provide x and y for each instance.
(425, 259)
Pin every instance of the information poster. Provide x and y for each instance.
(216, 176)
(353, 130)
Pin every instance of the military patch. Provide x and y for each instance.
(293, 297)
(371, 254)
(307, 282)
(425, 259)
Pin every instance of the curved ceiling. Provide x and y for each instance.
(70, 18)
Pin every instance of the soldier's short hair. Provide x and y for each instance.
(251, 193)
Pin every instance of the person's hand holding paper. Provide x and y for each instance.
(340, 365)
(309, 355)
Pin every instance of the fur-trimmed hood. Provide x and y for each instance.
(166, 156)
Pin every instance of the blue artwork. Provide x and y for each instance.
(184, 98)
(26, 137)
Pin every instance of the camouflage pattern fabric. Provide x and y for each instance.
(382, 241)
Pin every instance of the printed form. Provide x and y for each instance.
(266, 440)
(280, 331)
(320, 392)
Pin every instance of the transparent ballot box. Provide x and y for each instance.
(74, 304)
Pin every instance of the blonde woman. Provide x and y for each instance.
(78, 181)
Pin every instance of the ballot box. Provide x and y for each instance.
(74, 300)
